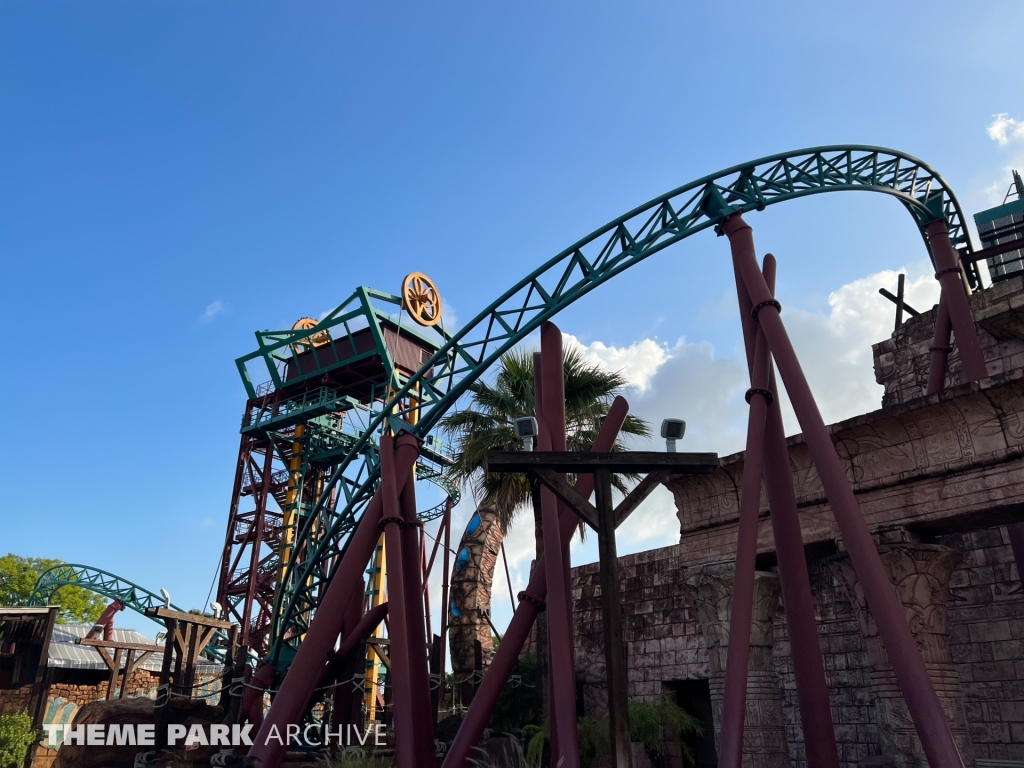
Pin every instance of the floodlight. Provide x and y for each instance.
(672, 430)
(166, 596)
(217, 609)
(526, 430)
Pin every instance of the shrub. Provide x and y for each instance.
(520, 701)
(16, 736)
(648, 725)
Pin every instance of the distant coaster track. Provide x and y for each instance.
(110, 586)
(576, 271)
(100, 582)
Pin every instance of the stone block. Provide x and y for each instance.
(989, 631)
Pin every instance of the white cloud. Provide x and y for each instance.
(835, 349)
(213, 309)
(638, 362)
(1004, 129)
(1007, 132)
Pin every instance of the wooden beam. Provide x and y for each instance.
(642, 490)
(381, 655)
(611, 609)
(584, 462)
(124, 646)
(561, 488)
(194, 618)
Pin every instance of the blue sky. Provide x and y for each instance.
(174, 176)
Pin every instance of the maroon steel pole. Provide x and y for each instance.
(531, 602)
(554, 430)
(415, 627)
(808, 663)
(425, 578)
(563, 677)
(398, 615)
(940, 348)
(734, 707)
(544, 438)
(950, 279)
(444, 599)
(911, 674)
(297, 687)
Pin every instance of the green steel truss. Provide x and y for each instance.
(100, 582)
(112, 587)
(464, 356)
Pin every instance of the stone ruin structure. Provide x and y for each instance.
(938, 479)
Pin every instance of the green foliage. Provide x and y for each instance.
(486, 425)
(594, 739)
(16, 736)
(18, 576)
(537, 737)
(519, 705)
(649, 724)
(511, 756)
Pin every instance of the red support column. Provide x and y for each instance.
(563, 678)
(735, 705)
(809, 665)
(415, 626)
(399, 676)
(531, 602)
(442, 689)
(947, 272)
(293, 698)
(912, 676)
(941, 348)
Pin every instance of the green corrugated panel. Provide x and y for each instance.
(990, 215)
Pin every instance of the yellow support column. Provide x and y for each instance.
(291, 510)
(375, 596)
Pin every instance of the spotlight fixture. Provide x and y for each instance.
(672, 430)
(526, 430)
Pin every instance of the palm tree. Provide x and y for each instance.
(487, 425)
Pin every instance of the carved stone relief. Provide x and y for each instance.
(711, 592)
(920, 574)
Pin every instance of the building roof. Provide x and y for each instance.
(66, 654)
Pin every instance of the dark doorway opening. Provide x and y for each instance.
(695, 697)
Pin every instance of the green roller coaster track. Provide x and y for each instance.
(100, 582)
(110, 586)
(572, 274)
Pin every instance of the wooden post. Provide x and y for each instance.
(611, 608)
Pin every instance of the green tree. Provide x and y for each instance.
(18, 576)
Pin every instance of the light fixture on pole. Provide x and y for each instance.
(672, 430)
(526, 430)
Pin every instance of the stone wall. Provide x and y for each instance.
(14, 700)
(986, 638)
(662, 635)
(666, 642)
(902, 361)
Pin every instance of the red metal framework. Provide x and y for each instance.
(248, 571)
